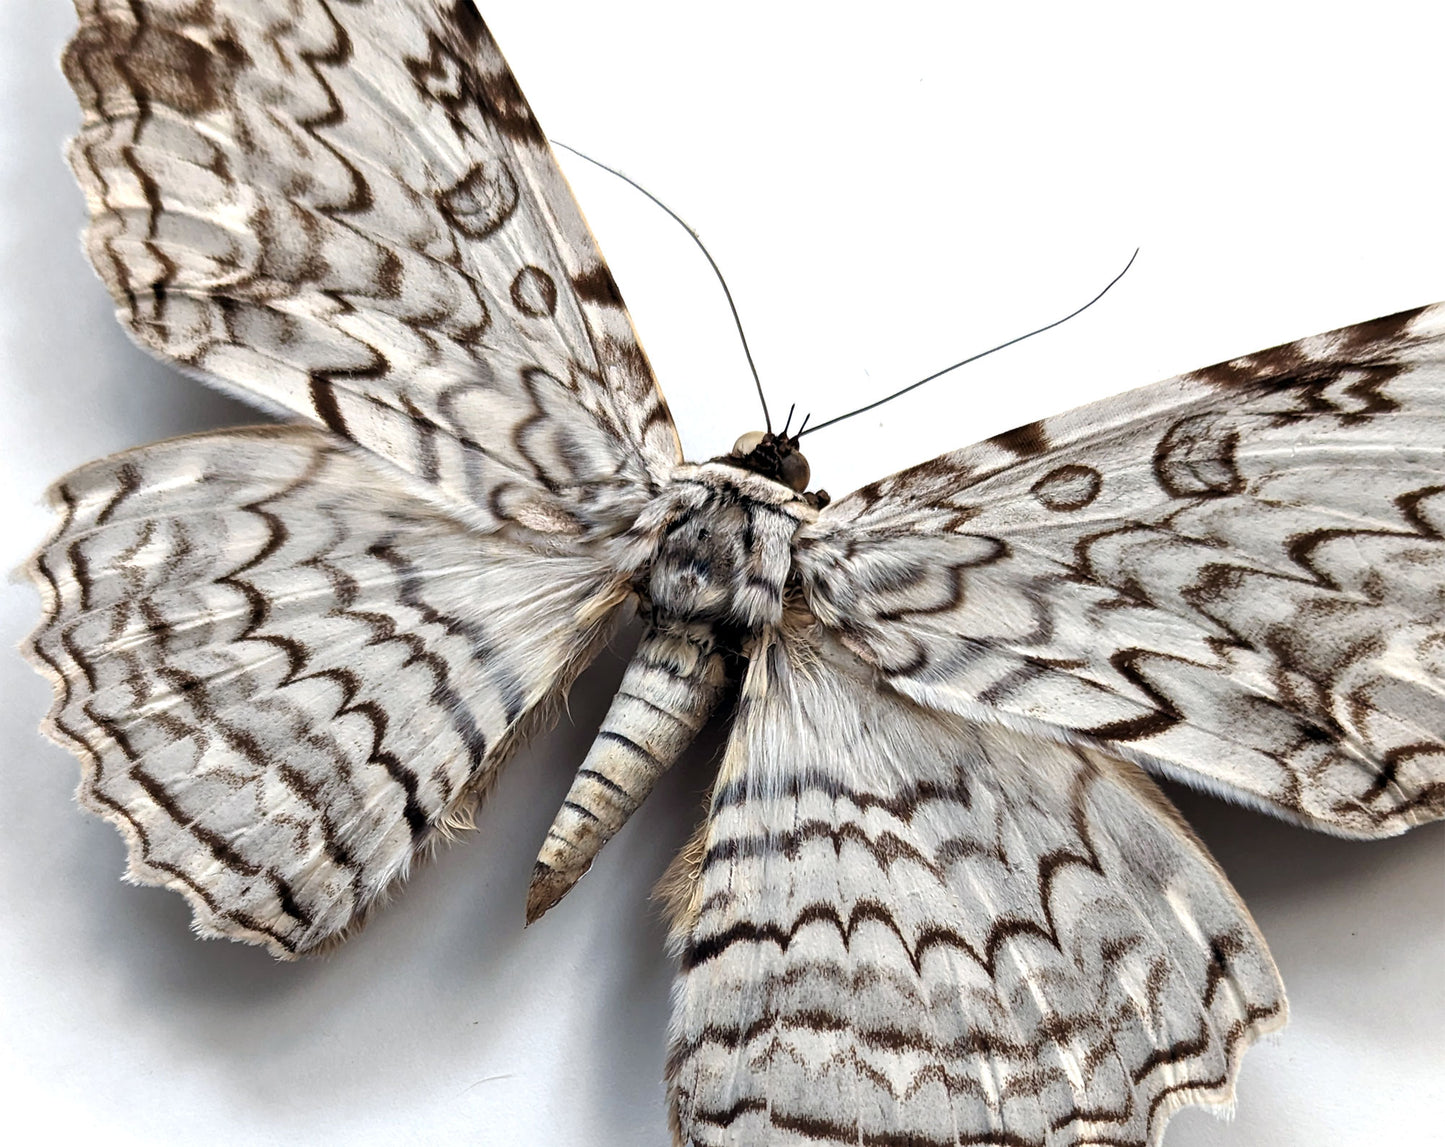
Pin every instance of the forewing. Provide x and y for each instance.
(1236, 577)
(285, 676)
(905, 927)
(347, 211)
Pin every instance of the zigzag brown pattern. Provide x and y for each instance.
(935, 902)
(865, 999)
(1197, 605)
(241, 704)
(374, 299)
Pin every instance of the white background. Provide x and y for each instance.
(889, 188)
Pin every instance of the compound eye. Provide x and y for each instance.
(748, 443)
(795, 471)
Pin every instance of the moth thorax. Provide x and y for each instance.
(774, 456)
(724, 561)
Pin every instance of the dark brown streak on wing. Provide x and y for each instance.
(1165, 715)
(886, 848)
(127, 484)
(1024, 441)
(1231, 1039)
(118, 812)
(596, 285)
(902, 804)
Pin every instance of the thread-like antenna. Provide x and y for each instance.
(696, 238)
(976, 357)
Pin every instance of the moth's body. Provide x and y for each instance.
(714, 553)
(936, 898)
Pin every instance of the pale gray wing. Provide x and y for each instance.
(902, 926)
(347, 211)
(1236, 578)
(285, 674)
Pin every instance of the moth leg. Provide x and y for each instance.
(668, 693)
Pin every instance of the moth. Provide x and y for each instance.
(936, 897)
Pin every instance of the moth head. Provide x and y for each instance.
(774, 456)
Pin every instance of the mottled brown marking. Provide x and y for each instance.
(1254, 370)
(1386, 333)
(626, 355)
(176, 71)
(1372, 350)
(596, 285)
(464, 19)
(506, 109)
(1024, 441)
(390, 276)
(1222, 950)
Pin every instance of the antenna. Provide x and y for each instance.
(976, 357)
(696, 238)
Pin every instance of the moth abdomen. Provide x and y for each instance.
(668, 693)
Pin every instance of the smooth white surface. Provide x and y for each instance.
(887, 193)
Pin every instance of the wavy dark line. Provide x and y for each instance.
(902, 804)
(832, 1130)
(971, 1044)
(1165, 716)
(53, 607)
(277, 534)
(352, 685)
(1231, 1039)
(216, 845)
(886, 848)
(410, 584)
(701, 950)
(127, 482)
(386, 630)
(910, 1043)
(244, 919)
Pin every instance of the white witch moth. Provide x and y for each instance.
(936, 899)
